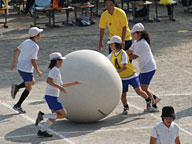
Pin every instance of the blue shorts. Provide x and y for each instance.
(53, 103)
(145, 78)
(26, 76)
(134, 82)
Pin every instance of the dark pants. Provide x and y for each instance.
(169, 10)
(29, 4)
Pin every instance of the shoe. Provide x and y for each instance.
(148, 105)
(125, 112)
(44, 134)
(14, 91)
(24, 12)
(171, 18)
(151, 109)
(39, 118)
(125, 109)
(18, 109)
(157, 100)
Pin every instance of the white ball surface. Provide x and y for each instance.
(100, 89)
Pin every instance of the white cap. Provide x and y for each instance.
(34, 31)
(115, 39)
(137, 28)
(56, 56)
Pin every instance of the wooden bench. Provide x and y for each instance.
(16, 4)
(145, 4)
(162, 16)
(189, 8)
(67, 10)
(88, 6)
(128, 5)
(4, 10)
(50, 16)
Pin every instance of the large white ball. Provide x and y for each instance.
(100, 90)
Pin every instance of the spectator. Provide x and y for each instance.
(116, 21)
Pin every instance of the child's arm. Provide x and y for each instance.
(34, 63)
(123, 68)
(129, 51)
(15, 56)
(177, 140)
(131, 57)
(152, 140)
(70, 84)
(50, 82)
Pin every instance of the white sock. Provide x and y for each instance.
(47, 124)
(50, 115)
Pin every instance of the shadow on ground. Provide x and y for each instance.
(68, 129)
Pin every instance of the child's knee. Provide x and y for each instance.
(33, 81)
(29, 88)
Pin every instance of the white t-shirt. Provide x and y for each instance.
(54, 73)
(29, 50)
(164, 134)
(145, 58)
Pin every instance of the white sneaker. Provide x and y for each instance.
(151, 109)
(157, 100)
(125, 112)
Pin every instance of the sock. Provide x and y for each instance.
(22, 85)
(126, 106)
(154, 96)
(23, 97)
(148, 99)
(47, 124)
(50, 115)
(154, 105)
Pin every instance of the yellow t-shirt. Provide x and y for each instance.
(115, 23)
(116, 61)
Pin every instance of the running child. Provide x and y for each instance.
(55, 85)
(140, 50)
(27, 51)
(120, 60)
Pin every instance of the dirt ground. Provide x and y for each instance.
(171, 47)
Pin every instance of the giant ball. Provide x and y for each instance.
(100, 89)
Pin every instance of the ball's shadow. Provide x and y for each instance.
(69, 129)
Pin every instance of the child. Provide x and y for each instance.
(141, 51)
(28, 51)
(121, 62)
(166, 131)
(54, 86)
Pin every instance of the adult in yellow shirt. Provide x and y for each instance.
(116, 21)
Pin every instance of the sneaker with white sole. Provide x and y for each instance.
(39, 118)
(151, 109)
(14, 90)
(157, 100)
(19, 109)
(125, 110)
